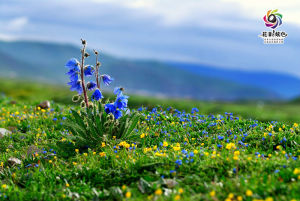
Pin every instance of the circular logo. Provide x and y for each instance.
(273, 19)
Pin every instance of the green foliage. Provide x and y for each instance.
(33, 93)
(90, 126)
(145, 166)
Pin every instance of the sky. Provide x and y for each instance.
(223, 33)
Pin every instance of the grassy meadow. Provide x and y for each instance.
(33, 93)
(206, 154)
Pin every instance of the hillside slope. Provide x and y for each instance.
(285, 85)
(45, 61)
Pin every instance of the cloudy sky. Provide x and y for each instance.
(216, 32)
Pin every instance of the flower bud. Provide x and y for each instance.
(91, 105)
(111, 117)
(86, 54)
(83, 42)
(95, 52)
(82, 104)
(98, 64)
(76, 98)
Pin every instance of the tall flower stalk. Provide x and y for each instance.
(77, 70)
(97, 69)
(83, 55)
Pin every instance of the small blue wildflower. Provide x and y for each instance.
(121, 102)
(194, 110)
(192, 154)
(91, 86)
(276, 171)
(117, 114)
(220, 137)
(72, 64)
(234, 170)
(109, 108)
(89, 70)
(97, 95)
(118, 91)
(107, 79)
(29, 165)
(178, 162)
(184, 151)
(75, 86)
(54, 119)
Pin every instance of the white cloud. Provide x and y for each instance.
(6, 37)
(212, 13)
(16, 24)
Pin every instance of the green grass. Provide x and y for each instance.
(32, 92)
(153, 166)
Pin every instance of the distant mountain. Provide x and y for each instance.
(287, 86)
(45, 62)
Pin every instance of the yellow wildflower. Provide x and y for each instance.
(249, 193)
(158, 192)
(212, 193)
(128, 194)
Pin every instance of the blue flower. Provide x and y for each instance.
(73, 73)
(121, 102)
(74, 77)
(110, 108)
(220, 137)
(178, 162)
(118, 91)
(97, 95)
(89, 70)
(117, 114)
(194, 110)
(76, 86)
(107, 79)
(91, 86)
(72, 64)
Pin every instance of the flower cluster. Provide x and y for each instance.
(77, 73)
(119, 104)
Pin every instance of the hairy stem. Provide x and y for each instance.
(82, 77)
(97, 72)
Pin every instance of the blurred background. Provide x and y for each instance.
(184, 54)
